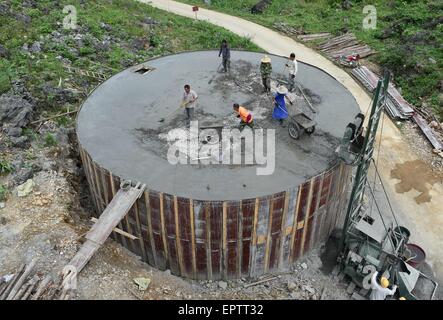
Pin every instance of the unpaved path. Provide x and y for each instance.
(423, 215)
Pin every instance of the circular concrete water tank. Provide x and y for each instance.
(216, 221)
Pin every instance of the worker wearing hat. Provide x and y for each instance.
(280, 112)
(380, 291)
(266, 70)
(244, 115)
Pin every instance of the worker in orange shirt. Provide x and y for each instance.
(244, 115)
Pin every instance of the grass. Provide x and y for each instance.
(124, 17)
(414, 72)
(3, 192)
(5, 167)
(50, 140)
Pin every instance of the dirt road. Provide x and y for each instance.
(416, 191)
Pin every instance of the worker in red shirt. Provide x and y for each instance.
(244, 115)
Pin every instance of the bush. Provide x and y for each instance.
(50, 140)
(5, 167)
(3, 192)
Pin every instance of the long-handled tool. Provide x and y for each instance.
(183, 105)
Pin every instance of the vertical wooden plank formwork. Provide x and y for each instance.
(225, 241)
(104, 175)
(216, 239)
(168, 214)
(323, 207)
(286, 229)
(248, 214)
(261, 234)
(150, 245)
(252, 259)
(178, 231)
(155, 203)
(276, 227)
(208, 239)
(193, 248)
(293, 237)
(92, 186)
(307, 216)
(311, 215)
(301, 217)
(239, 238)
(232, 234)
(185, 230)
(200, 239)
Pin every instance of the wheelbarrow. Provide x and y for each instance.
(299, 123)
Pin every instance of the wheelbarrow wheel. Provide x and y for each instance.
(294, 130)
(310, 130)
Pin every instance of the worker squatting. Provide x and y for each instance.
(234, 147)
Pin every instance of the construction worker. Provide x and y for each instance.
(244, 115)
(291, 64)
(188, 101)
(266, 70)
(380, 291)
(280, 112)
(225, 52)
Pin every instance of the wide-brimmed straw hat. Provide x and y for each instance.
(282, 90)
(266, 59)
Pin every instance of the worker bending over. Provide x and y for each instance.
(188, 101)
(291, 64)
(280, 111)
(266, 70)
(244, 115)
(379, 292)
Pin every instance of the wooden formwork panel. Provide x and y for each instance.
(225, 239)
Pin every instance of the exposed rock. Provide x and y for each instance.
(308, 289)
(14, 110)
(260, 6)
(13, 131)
(223, 285)
(36, 47)
(291, 286)
(20, 142)
(346, 5)
(23, 175)
(304, 265)
(26, 188)
(105, 26)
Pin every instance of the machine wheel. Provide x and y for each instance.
(294, 130)
(310, 130)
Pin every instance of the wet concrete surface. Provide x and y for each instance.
(119, 124)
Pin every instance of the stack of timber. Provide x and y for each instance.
(396, 106)
(299, 33)
(28, 285)
(287, 29)
(345, 45)
(314, 36)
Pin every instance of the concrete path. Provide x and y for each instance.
(424, 219)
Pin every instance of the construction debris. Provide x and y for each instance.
(428, 132)
(143, 283)
(345, 45)
(26, 188)
(314, 36)
(26, 284)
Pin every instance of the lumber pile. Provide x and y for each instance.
(25, 284)
(299, 33)
(345, 45)
(396, 106)
(314, 36)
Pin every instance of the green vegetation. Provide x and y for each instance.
(5, 167)
(104, 41)
(3, 192)
(50, 140)
(413, 49)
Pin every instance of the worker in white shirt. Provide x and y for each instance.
(291, 64)
(188, 101)
(380, 291)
